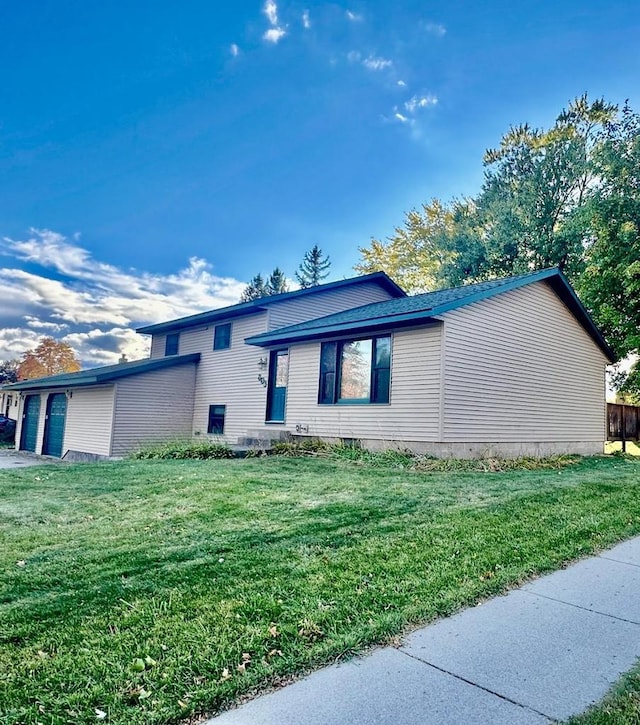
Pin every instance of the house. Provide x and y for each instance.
(512, 367)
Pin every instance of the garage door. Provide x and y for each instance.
(54, 425)
(30, 417)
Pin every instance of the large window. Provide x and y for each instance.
(355, 371)
(216, 419)
(222, 337)
(172, 343)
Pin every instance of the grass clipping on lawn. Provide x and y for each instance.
(155, 591)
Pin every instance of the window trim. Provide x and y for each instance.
(226, 325)
(210, 427)
(175, 338)
(331, 365)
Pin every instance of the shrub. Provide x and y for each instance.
(183, 450)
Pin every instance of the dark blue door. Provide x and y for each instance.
(54, 425)
(30, 417)
(277, 391)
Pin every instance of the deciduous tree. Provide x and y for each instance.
(415, 252)
(50, 357)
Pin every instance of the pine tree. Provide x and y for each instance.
(277, 283)
(254, 290)
(313, 269)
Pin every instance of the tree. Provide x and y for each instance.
(254, 290)
(313, 268)
(414, 254)
(257, 288)
(527, 215)
(610, 284)
(566, 196)
(50, 357)
(8, 372)
(277, 282)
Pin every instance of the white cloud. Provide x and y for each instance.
(374, 63)
(306, 22)
(90, 300)
(354, 17)
(371, 62)
(402, 84)
(274, 35)
(50, 327)
(418, 102)
(435, 29)
(270, 9)
(403, 119)
(234, 50)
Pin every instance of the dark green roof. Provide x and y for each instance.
(248, 308)
(421, 309)
(104, 374)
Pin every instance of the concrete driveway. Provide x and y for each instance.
(14, 459)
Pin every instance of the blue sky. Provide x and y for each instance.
(156, 155)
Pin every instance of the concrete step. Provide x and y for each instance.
(262, 438)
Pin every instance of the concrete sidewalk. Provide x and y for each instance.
(537, 655)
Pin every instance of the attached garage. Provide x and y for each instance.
(30, 419)
(107, 411)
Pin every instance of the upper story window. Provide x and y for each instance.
(172, 343)
(222, 336)
(355, 371)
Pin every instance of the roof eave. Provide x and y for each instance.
(362, 327)
(85, 379)
(381, 278)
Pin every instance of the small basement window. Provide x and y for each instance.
(172, 344)
(222, 337)
(216, 419)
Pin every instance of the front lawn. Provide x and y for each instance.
(153, 591)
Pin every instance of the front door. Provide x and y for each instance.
(54, 425)
(30, 418)
(277, 391)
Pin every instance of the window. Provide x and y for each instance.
(355, 371)
(216, 419)
(172, 343)
(222, 337)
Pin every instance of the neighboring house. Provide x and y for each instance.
(512, 367)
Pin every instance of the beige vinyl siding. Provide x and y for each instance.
(324, 302)
(157, 346)
(153, 406)
(89, 421)
(413, 413)
(519, 367)
(230, 378)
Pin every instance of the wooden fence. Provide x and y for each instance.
(623, 423)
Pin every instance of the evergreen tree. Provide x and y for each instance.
(313, 268)
(254, 290)
(277, 283)
(9, 372)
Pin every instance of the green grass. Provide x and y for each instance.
(235, 575)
